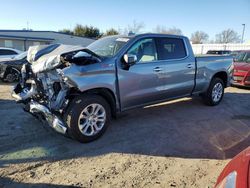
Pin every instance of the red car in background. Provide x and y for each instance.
(241, 75)
(236, 174)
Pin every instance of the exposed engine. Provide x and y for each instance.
(47, 87)
(42, 86)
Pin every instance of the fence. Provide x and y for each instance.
(203, 48)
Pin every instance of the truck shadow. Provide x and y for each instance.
(183, 128)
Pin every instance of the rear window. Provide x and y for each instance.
(171, 48)
(7, 52)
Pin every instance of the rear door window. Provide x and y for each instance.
(171, 48)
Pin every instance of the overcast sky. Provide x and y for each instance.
(211, 16)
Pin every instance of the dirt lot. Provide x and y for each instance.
(177, 144)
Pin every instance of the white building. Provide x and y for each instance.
(23, 39)
(203, 48)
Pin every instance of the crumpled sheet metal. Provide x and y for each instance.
(47, 57)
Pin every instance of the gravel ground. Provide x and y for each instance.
(181, 143)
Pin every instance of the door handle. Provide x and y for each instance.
(158, 69)
(189, 66)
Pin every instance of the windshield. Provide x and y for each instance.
(243, 57)
(21, 56)
(108, 46)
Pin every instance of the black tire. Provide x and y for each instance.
(11, 75)
(208, 98)
(74, 111)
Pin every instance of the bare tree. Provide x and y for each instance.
(211, 41)
(163, 29)
(228, 36)
(199, 37)
(160, 29)
(136, 27)
(174, 31)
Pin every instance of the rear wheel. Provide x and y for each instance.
(87, 117)
(215, 92)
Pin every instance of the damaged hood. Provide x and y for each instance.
(47, 57)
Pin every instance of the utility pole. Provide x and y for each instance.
(243, 31)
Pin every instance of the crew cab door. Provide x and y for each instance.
(143, 82)
(179, 65)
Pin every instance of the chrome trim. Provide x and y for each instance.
(54, 121)
(26, 93)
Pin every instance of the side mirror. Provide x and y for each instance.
(130, 59)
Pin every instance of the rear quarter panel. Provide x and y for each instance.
(208, 66)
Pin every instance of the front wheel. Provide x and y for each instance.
(215, 92)
(87, 117)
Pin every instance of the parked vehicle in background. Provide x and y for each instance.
(219, 52)
(235, 53)
(241, 74)
(10, 69)
(78, 90)
(236, 174)
(8, 52)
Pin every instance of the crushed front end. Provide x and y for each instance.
(42, 87)
(43, 95)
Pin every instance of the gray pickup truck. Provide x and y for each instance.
(78, 90)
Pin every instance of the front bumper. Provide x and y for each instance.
(241, 79)
(38, 109)
(54, 121)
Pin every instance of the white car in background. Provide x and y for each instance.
(8, 52)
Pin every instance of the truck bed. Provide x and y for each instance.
(207, 65)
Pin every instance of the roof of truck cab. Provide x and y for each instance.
(158, 35)
(149, 35)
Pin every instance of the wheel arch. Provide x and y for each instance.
(223, 76)
(106, 93)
